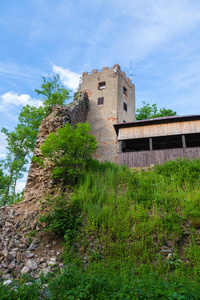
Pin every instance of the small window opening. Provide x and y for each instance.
(125, 91)
(124, 121)
(100, 101)
(102, 85)
(125, 106)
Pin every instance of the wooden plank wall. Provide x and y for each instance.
(146, 158)
(159, 130)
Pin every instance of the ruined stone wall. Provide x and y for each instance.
(39, 179)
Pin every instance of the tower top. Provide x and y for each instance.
(117, 70)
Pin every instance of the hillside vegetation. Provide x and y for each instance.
(127, 234)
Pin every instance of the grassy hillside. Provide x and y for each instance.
(129, 234)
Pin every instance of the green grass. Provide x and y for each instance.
(116, 224)
(134, 213)
(120, 283)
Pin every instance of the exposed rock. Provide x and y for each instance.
(24, 240)
(42, 260)
(53, 259)
(28, 254)
(166, 250)
(15, 249)
(11, 213)
(8, 282)
(12, 265)
(7, 254)
(6, 276)
(28, 283)
(36, 241)
(51, 263)
(32, 246)
(45, 271)
(22, 246)
(25, 270)
(7, 224)
(18, 257)
(32, 264)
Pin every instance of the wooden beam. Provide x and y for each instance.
(183, 141)
(150, 144)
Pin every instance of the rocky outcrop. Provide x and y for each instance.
(39, 179)
(23, 247)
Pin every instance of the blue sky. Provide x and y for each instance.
(43, 37)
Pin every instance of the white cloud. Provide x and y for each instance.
(13, 99)
(69, 78)
(3, 144)
(20, 186)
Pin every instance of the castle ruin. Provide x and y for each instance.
(111, 100)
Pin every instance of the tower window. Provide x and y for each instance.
(125, 91)
(101, 85)
(100, 101)
(125, 107)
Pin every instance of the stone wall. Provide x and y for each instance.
(39, 179)
(108, 85)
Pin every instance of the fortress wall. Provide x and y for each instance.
(39, 179)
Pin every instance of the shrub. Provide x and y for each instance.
(61, 216)
(70, 151)
(21, 291)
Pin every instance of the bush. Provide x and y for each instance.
(70, 151)
(61, 217)
(21, 291)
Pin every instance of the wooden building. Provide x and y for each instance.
(152, 141)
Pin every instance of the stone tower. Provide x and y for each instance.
(111, 100)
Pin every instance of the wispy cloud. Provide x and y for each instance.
(150, 25)
(13, 99)
(187, 75)
(14, 69)
(69, 78)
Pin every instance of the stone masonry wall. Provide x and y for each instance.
(39, 179)
(109, 86)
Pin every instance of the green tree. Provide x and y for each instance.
(3, 183)
(53, 92)
(21, 141)
(21, 144)
(70, 150)
(150, 112)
